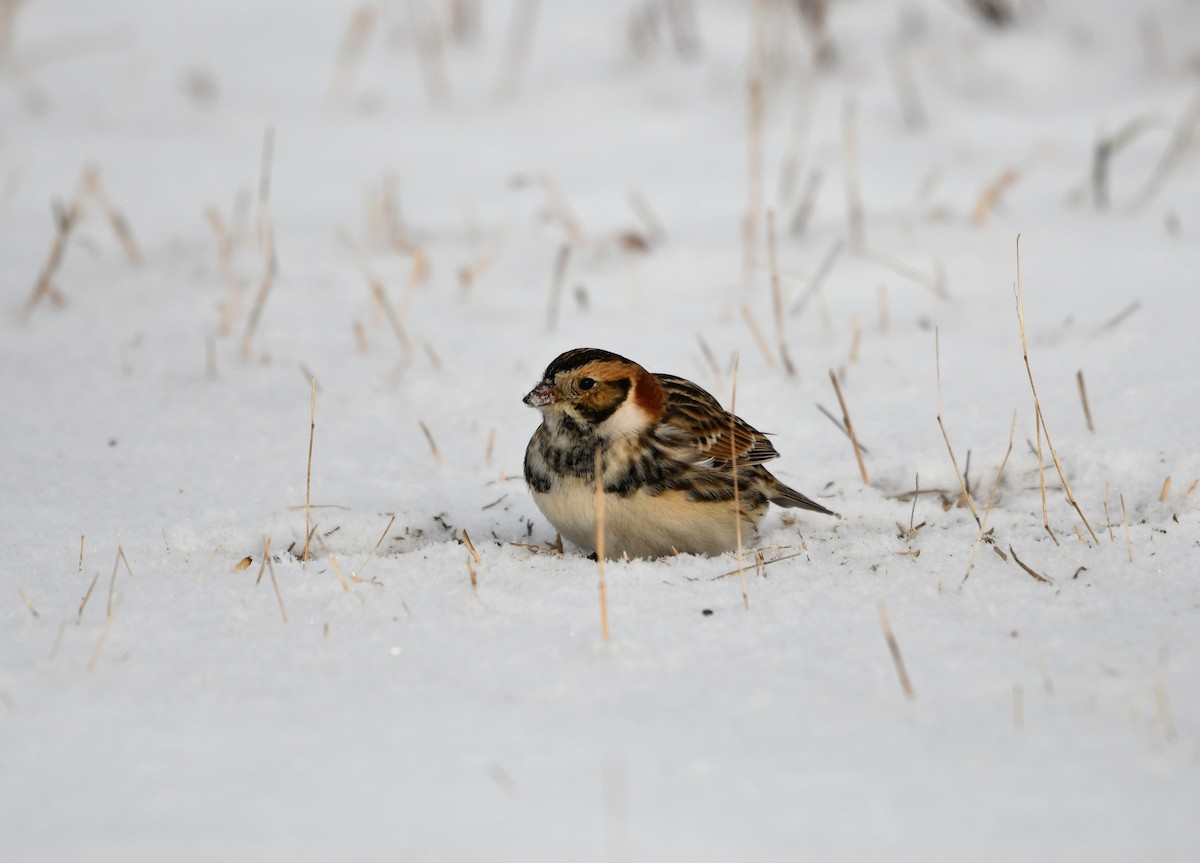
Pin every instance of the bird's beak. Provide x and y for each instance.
(541, 395)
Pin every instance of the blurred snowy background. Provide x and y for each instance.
(206, 206)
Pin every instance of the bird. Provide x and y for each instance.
(667, 453)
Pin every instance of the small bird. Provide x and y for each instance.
(667, 453)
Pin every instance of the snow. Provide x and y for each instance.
(414, 718)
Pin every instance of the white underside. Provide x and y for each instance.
(640, 525)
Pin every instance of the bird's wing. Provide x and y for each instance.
(697, 424)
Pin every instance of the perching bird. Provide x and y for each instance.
(667, 451)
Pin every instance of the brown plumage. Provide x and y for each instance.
(667, 456)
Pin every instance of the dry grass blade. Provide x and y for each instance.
(87, 596)
(471, 547)
(350, 52)
(1087, 411)
(28, 603)
(1037, 576)
(358, 575)
(81, 539)
(1128, 538)
(1037, 419)
(333, 561)
(764, 565)
(598, 483)
(737, 501)
(759, 338)
(850, 176)
(838, 423)
(91, 182)
(1191, 488)
(516, 48)
(556, 285)
(991, 194)
(65, 222)
(862, 467)
(1062, 475)
(275, 584)
(433, 447)
(962, 481)
(755, 159)
(777, 295)
(1166, 487)
(991, 499)
(312, 433)
(1177, 152)
(894, 649)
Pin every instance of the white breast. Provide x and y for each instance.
(641, 525)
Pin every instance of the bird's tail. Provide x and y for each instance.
(782, 495)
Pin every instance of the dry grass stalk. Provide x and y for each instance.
(1177, 152)
(1125, 518)
(1166, 487)
(433, 448)
(312, 433)
(471, 547)
(1165, 717)
(556, 285)
(912, 108)
(473, 575)
(65, 222)
(598, 503)
(737, 499)
(1062, 474)
(655, 233)
(838, 423)
(274, 581)
(260, 300)
(491, 446)
(516, 49)
(112, 585)
(894, 649)
(333, 561)
(1037, 419)
(962, 480)
(991, 194)
(431, 52)
(358, 575)
(765, 564)
(1107, 518)
(817, 281)
(467, 276)
(28, 603)
(936, 282)
(853, 189)
(991, 500)
(91, 182)
(1032, 573)
(81, 539)
(862, 467)
(759, 338)
(777, 295)
(211, 558)
(58, 639)
(266, 242)
(91, 666)
(808, 202)
(123, 559)
(87, 596)
(755, 120)
(360, 338)
(1191, 488)
(350, 52)
(1087, 411)
(796, 149)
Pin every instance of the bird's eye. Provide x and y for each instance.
(586, 384)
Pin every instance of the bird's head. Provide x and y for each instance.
(602, 392)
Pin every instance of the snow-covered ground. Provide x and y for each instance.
(154, 703)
